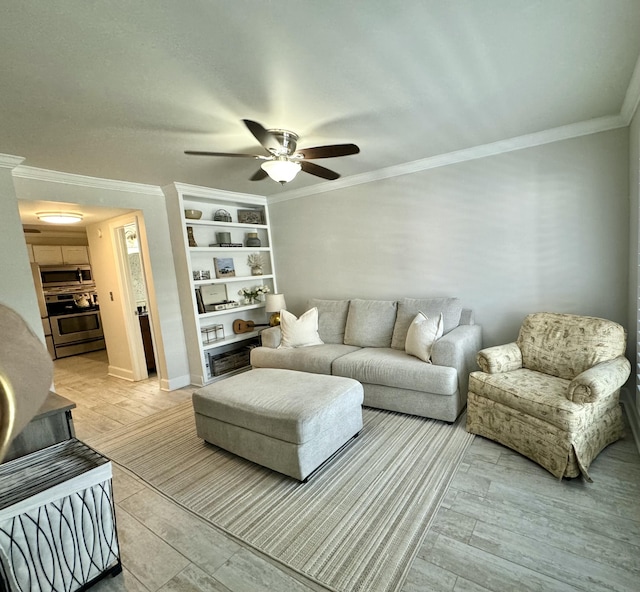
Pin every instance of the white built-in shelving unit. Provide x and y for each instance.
(187, 259)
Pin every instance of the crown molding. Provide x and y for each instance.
(7, 161)
(27, 172)
(209, 192)
(632, 97)
(565, 132)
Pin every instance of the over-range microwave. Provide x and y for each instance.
(54, 276)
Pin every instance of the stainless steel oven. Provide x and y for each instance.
(61, 276)
(76, 326)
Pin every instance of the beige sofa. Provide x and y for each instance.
(365, 340)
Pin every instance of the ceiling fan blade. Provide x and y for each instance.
(318, 171)
(259, 175)
(262, 135)
(329, 151)
(233, 154)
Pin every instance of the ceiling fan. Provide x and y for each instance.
(284, 161)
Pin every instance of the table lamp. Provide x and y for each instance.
(274, 304)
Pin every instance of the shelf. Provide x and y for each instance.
(205, 231)
(233, 339)
(227, 249)
(216, 223)
(237, 278)
(217, 313)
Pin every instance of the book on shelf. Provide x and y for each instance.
(199, 301)
(226, 245)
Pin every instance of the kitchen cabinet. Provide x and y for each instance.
(72, 254)
(240, 222)
(60, 254)
(47, 254)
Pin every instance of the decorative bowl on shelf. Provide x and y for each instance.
(193, 214)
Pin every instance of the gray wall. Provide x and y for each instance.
(634, 248)
(16, 282)
(544, 228)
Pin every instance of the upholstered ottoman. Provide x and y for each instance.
(285, 420)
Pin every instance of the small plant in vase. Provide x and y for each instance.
(256, 262)
(251, 295)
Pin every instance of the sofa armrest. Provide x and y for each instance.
(457, 349)
(500, 358)
(271, 337)
(599, 381)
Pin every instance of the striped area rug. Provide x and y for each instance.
(356, 525)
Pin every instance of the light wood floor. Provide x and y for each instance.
(506, 524)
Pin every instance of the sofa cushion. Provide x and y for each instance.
(408, 308)
(299, 332)
(332, 319)
(390, 367)
(423, 333)
(317, 359)
(565, 345)
(370, 323)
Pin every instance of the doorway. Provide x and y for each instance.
(137, 298)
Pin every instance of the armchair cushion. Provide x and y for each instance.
(500, 358)
(600, 381)
(565, 345)
(532, 393)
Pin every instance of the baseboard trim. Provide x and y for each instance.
(172, 384)
(120, 373)
(632, 414)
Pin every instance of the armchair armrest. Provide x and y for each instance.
(457, 349)
(271, 337)
(500, 358)
(599, 381)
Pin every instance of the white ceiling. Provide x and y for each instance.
(120, 89)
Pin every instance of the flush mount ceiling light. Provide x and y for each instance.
(59, 217)
(281, 169)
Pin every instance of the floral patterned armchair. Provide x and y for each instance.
(552, 395)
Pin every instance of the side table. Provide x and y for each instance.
(57, 520)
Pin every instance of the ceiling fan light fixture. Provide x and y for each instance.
(281, 170)
(59, 217)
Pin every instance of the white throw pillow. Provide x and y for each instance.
(299, 332)
(422, 334)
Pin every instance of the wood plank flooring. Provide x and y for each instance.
(506, 525)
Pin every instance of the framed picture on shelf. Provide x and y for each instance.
(224, 267)
(250, 217)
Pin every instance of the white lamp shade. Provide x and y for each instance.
(275, 303)
(281, 171)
